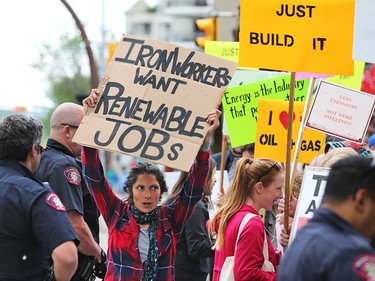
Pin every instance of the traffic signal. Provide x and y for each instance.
(20, 108)
(208, 27)
(111, 50)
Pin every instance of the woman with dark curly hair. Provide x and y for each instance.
(142, 235)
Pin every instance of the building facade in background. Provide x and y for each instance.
(174, 20)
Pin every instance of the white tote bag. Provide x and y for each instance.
(228, 266)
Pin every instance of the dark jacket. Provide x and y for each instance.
(32, 222)
(328, 248)
(194, 247)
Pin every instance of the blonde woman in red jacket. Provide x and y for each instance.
(257, 184)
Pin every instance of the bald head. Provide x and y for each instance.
(66, 114)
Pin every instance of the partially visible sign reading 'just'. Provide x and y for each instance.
(154, 98)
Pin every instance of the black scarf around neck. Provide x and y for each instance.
(150, 268)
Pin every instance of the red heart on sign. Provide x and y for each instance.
(284, 118)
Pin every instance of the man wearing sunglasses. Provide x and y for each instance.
(33, 220)
(335, 243)
(61, 168)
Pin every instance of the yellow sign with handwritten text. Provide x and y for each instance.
(306, 36)
(272, 132)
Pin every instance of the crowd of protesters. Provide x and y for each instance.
(52, 196)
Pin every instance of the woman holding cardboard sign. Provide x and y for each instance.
(142, 235)
(257, 184)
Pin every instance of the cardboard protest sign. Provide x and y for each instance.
(340, 111)
(240, 104)
(272, 129)
(154, 97)
(364, 31)
(297, 36)
(312, 190)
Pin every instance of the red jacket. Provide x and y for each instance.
(249, 254)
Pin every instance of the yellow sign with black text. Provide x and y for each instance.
(272, 132)
(297, 36)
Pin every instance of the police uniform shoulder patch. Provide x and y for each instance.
(72, 175)
(364, 266)
(54, 201)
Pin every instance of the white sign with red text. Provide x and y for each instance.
(341, 111)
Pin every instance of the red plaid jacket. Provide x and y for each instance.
(124, 261)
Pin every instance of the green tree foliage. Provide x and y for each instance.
(66, 69)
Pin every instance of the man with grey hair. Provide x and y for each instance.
(32, 218)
